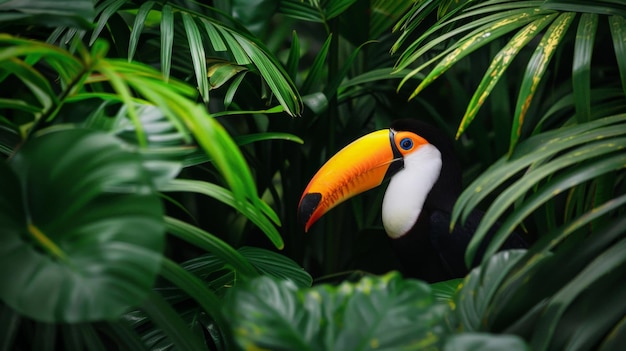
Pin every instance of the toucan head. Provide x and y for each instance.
(402, 154)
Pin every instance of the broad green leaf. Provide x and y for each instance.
(385, 312)
(83, 227)
(484, 342)
(537, 66)
(498, 66)
(581, 68)
(479, 287)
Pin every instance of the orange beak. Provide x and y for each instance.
(358, 167)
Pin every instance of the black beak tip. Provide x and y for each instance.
(308, 205)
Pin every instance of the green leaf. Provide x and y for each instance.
(75, 13)
(316, 70)
(301, 10)
(581, 70)
(498, 66)
(110, 7)
(534, 150)
(210, 243)
(609, 261)
(167, 39)
(336, 8)
(83, 229)
(445, 291)
(597, 164)
(195, 288)
(491, 27)
(137, 28)
(618, 33)
(168, 320)
(223, 195)
(537, 66)
(479, 288)
(484, 342)
(375, 313)
(276, 265)
(197, 55)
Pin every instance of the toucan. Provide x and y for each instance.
(425, 180)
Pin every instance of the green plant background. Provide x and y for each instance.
(154, 153)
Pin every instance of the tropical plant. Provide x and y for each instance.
(154, 154)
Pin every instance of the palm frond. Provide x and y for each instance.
(489, 20)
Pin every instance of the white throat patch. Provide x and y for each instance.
(408, 189)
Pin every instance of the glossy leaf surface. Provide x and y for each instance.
(375, 313)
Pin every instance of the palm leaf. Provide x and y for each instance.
(498, 66)
(618, 32)
(537, 66)
(167, 39)
(581, 75)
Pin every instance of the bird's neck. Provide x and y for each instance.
(408, 190)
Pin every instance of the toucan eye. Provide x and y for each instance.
(406, 143)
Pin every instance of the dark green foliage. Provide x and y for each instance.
(154, 153)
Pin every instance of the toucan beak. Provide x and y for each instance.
(358, 167)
